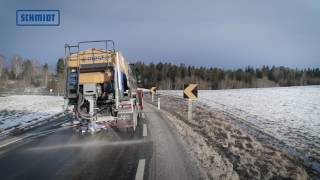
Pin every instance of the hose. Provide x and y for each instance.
(85, 116)
(79, 104)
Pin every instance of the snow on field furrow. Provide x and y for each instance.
(25, 110)
(290, 114)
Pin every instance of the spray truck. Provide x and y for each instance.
(101, 88)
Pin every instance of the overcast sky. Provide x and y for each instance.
(227, 34)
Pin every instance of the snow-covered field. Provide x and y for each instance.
(26, 110)
(290, 114)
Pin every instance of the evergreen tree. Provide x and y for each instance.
(60, 67)
(171, 76)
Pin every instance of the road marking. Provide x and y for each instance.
(11, 142)
(140, 170)
(143, 115)
(29, 135)
(59, 123)
(144, 130)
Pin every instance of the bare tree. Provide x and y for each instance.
(28, 71)
(17, 66)
(1, 64)
(45, 73)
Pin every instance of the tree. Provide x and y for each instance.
(28, 71)
(2, 60)
(60, 74)
(171, 76)
(16, 66)
(45, 72)
(259, 73)
(60, 67)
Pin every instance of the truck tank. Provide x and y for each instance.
(101, 88)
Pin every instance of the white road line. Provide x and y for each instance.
(11, 142)
(59, 123)
(144, 130)
(28, 136)
(140, 170)
(143, 115)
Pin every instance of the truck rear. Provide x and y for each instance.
(101, 88)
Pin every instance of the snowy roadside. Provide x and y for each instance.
(19, 112)
(226, 151)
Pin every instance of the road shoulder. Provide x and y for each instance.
(171, 158)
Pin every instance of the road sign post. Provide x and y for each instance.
(189, 109)
(153, 91)
(190, 92)
(158, 102)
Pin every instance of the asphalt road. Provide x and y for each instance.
(155, 152)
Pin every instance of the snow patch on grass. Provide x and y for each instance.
(21, 111)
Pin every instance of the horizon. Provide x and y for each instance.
(52, 67)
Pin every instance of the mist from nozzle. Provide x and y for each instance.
(88, 144)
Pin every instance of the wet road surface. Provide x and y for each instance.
(155, 152)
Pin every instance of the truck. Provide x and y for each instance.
(101, 88)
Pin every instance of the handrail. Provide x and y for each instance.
(106, 41)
